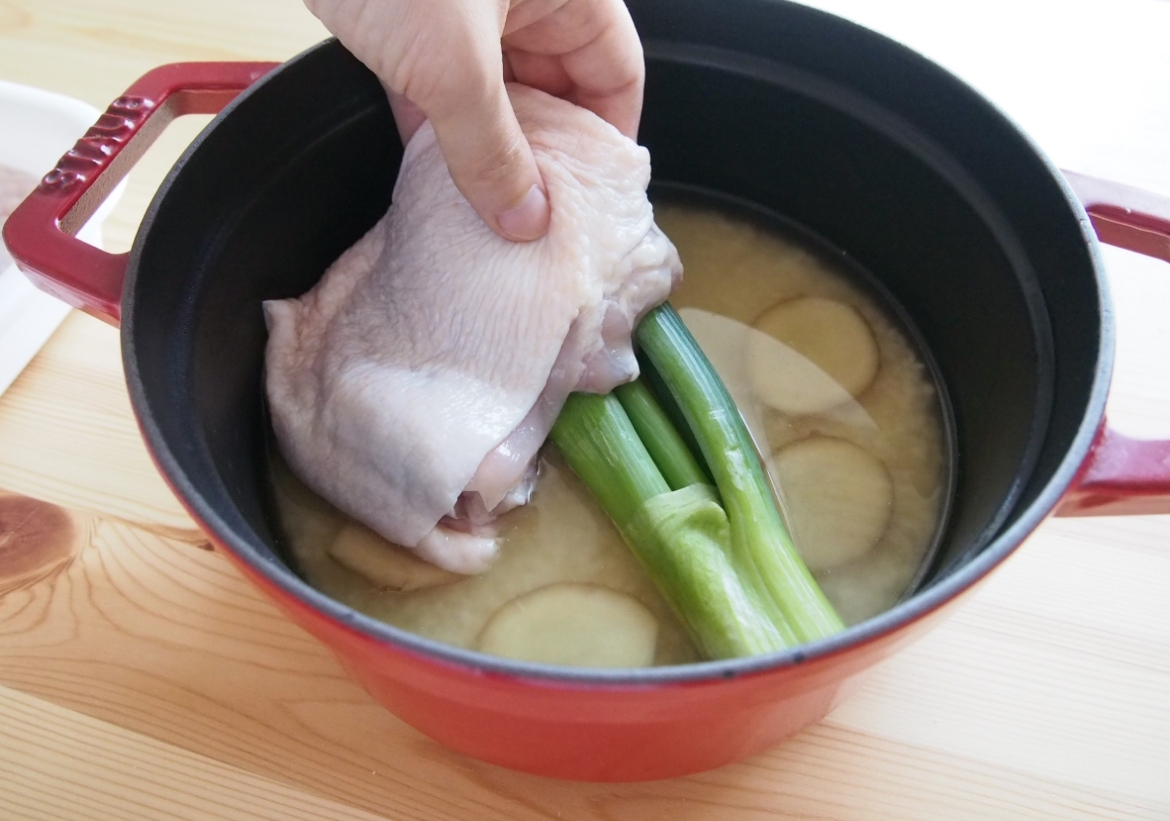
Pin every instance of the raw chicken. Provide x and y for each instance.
(414, 384)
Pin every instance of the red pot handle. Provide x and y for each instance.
(1123, 475)
(40, 232)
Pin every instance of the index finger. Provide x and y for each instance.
(598, 48)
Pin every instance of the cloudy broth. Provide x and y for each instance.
(864, 439)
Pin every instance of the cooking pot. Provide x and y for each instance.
(972, 231)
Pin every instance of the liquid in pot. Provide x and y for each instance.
(843, 408)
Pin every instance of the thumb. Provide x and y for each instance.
(488, 155)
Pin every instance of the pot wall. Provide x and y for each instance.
(927, 186)
(599, 731)
(973, 235)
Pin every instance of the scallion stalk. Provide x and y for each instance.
(761, 546)
(680, 536)
(662, 440)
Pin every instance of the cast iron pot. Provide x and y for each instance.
(859, 140)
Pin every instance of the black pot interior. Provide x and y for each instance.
(852, 137)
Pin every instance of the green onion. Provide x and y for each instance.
(668, 450)
(721, 556)
(596, 438)
(680, 536)
(761, 546)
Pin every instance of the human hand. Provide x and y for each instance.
(441, 60)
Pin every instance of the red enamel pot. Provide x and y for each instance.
(980, 241)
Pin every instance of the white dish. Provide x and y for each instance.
(36, 128)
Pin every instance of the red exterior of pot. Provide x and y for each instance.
(557, 728)
(569, 727)
(598, 732)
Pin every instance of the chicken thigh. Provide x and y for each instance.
(414, 384)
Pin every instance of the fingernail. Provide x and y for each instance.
(528, 220)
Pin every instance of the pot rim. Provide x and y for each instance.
(888, 622)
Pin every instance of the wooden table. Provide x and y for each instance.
(147, 681)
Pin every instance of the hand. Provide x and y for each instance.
(441, 60)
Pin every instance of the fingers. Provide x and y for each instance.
(407, 116)
(441, 59)
(489, 157)
(540, 71)
(451, 69)
(596, 51)
(610, 74)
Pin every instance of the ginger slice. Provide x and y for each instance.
(581, 625)
(838, 498)
(838, 356)
(385, 564)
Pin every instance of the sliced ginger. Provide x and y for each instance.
(581, 625)
(838, 355)
(838, 498)
(385, 564)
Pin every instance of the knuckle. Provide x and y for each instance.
(501, 166)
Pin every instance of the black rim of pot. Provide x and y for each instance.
(900, 615)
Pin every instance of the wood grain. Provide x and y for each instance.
(162, 639)
(144, 679)
(58, 764)
(68, 435)
(37, 541)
